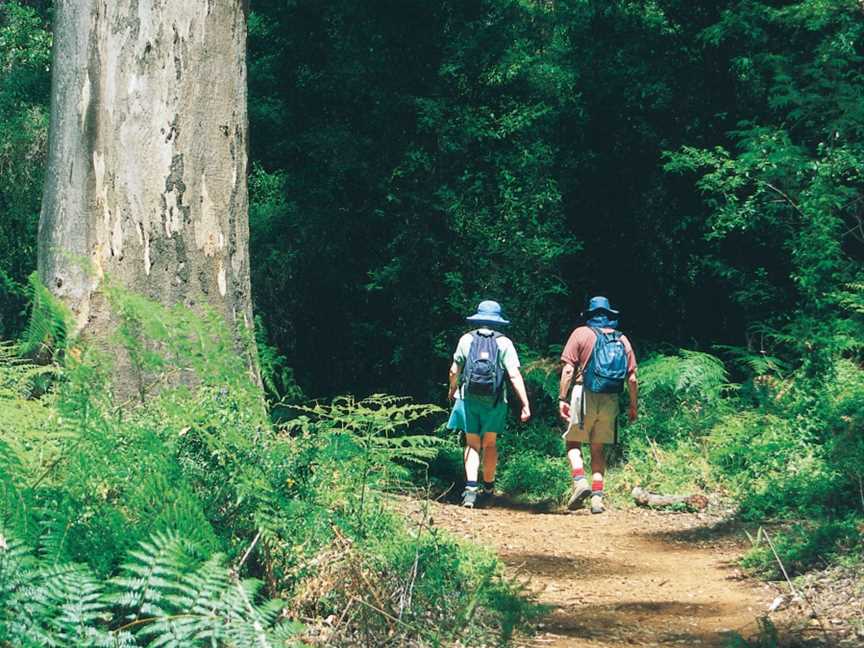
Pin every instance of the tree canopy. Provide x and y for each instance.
(699, 163)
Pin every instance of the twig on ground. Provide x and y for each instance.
(655, 451)
(779, 562)
(651, 500)
(338, 623)
(795, 592)
(408, 593)
(441, 496)
(385, 614)
(248, 551)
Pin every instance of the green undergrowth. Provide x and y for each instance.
(179, 515)
(781, 447)
(533, 467)
(804, 545)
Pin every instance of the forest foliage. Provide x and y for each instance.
(188, 518)
(699, 163)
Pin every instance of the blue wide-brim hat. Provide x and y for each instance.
(600, 304)
(488, 312)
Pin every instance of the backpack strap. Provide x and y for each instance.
(493, 334)
(615, 333)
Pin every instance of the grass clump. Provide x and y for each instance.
(807, 545)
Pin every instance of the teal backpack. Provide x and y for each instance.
(607, 367)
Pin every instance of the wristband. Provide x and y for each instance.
(564, 400)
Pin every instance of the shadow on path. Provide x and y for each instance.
(573, 567)
(636, 623)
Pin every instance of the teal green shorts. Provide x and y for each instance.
(474, 416)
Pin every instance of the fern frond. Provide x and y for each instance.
(18, 375)
(56, 519)
(689, 374)
(50, 320)
(150, 577)
(758, 363)
(60, 605)
(73, 604)
(175, 600)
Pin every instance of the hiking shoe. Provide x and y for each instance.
(581, 491)
(597, 504)
(469, 498)
(486, 495)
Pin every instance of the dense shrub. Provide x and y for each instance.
(774, 465)
(535, 477)
(532, 462)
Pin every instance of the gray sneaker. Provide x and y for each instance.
(597, 504)
(581, 491)
(469, 497)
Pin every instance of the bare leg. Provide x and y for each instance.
(581, 490)
(598, 461)
(490, 456)
(472, 456)
(472, 467)
(598, 468)
(574, 455)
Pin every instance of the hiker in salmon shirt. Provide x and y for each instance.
(603, 359)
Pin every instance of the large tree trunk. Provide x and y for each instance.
(147, 166)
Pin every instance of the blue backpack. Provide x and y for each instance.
(607, 367)
(483, 374)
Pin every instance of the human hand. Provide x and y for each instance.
(564, 410)
(525, 414)
(451, 394)
(632, 413)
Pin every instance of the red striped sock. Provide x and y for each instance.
(578, 473)
(597, 486)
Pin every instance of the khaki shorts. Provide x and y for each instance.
(596, 421)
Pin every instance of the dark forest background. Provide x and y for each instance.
(699, 163)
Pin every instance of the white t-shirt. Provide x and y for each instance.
(507, 356)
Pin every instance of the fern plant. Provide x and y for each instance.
(166, 595)
(32, 435)
(372, 438)
(688, 375)
(49, 321)
(51, 605)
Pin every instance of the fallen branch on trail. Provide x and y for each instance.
(651, 500)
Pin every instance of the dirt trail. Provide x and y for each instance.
(624, 578)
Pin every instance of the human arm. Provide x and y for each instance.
(573, 356)
(567, 373)
(632, 381)
(455, 370)
(459, 358)
(633, 388)
(519, 387)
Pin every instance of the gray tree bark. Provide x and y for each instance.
(146, 178)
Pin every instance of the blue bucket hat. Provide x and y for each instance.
(488, 312)
(600, 304)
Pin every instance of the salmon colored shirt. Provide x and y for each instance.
(580, 346)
